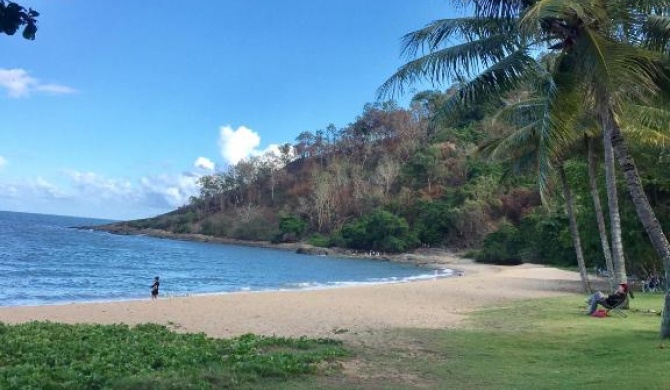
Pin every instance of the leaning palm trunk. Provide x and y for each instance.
(618, 260)
(574, 230)
(644, 211)
(595, 194)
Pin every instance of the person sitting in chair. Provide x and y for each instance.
(608, 301)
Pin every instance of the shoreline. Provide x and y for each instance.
(338, 285)
(346, 312)
(416, 257)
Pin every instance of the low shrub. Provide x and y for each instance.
(44, 355)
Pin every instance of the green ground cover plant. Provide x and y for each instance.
(44, 355)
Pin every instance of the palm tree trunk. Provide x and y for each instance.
(618, 259)
(644, 212)
(574, 230)
(600, 218)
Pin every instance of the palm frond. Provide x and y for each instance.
(501, 77)
(656, 32)
(647, 124)
(609, 66)
(657, 117)
(444, 31)
(644, 135)
(641, 6)
(458, 61)
(491, 84)
(495, 8)
(526, 162)
(524, 111)
(560, 12)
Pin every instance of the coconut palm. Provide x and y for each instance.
(529, 114)
(597, 206)
(612, 48)
(523, 147)
(527, 145)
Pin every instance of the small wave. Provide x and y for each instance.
(303, 285)
(437, 274)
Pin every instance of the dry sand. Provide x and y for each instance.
(340, 312)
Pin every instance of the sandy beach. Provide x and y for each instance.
(339, 312)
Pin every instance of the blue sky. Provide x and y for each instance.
(117, 107)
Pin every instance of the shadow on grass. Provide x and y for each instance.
(534, 344)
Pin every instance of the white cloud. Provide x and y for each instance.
(55, 89)
(18, 83)
(168, 191)
(47, 190)
(92, 194)
(160, 191)
(38, 188)
(237, 144)
(204, 163)
(92, 184)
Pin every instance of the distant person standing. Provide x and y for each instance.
(154, 288)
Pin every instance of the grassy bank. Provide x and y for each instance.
(42, 355)
(536, 344)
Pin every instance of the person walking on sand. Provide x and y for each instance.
(154, 288)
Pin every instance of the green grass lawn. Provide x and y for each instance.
(551, 344)
(535, 344)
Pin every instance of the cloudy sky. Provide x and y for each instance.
(117, 108)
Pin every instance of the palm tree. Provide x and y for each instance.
(526, 146)
(610, 47)
(595, 195)
(595, 41)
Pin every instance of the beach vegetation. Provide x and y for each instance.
(44, 355)
(501, 247)
(214, 226)
(319, 240)
(291, 228)
(379, 231)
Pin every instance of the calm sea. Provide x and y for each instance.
(43, 260)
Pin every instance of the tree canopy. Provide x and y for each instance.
(13, 17)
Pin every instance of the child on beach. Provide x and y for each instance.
(154, 288)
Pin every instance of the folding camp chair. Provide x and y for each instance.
(623, 305)
(618, 309)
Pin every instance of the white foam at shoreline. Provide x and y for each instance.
(299, 286)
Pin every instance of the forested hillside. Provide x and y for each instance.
(398, 178)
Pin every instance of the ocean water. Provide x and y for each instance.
(44, 260)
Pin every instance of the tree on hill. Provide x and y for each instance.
(13, 16)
